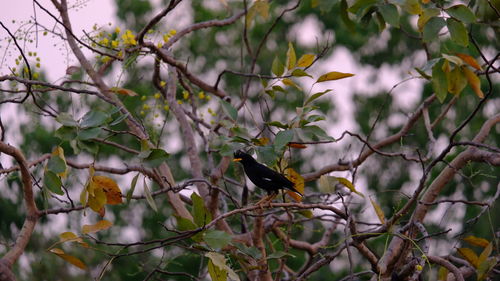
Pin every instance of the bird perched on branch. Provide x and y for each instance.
(264, 177)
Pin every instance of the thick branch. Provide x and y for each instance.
(32, 212)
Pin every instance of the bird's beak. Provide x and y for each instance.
(237, 159)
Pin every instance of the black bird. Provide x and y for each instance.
(262, 176)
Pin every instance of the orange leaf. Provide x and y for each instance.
(69, 258)
(298, 183)
(123, 91)
(111, 189)
(474, 82)
(296, 145)
(100, 225)
(469, 60)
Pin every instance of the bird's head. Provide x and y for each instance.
(240, 156)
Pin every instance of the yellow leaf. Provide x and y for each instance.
(68, 236)
(476, 241)
(69, 258)
(334, 75)
(59, 151)
(97, 201)
(291, 57)
(442, 273)
(345, 182)
(378, 211)
(298, 184)
(288, 82)
(469, 255)
(474, 82)
(123, 91)
(485, 254)
(261, 141)
(306, 60)
(111, 189)
(100, 225)
(469, 60)
(326, 184)
(456, 80)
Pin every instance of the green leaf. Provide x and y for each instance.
(326, 184)
(56, 164)
(52, 182)
(277, 124)
(230, 111)
(413, 7)
(458, 32)
(432, 28)
(361, 4)
(133, 184)
(306, 60)
(279, 255)
(277, 68)
(485, 267)
(316, 96)
(201, 215)
(278, 88)
(426, 15)
(266, 154)
(485, 253)
(300, 73)
(156, 157)
(344, 15)
(93, 118)
(149, 197)
(88, 134)
(219, 261)
(312, 133)
(66, 133)
(439, 82)
(462, 13)
(119, 119)
(333, 75)
(282, 138)
(390, 14)
(216, 274)
(380, 21)
(66, 119)
(217, 239)
(291, 57)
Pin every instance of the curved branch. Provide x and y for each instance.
(32, 215)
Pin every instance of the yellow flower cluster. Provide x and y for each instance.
(129, 38)
(169, 35)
